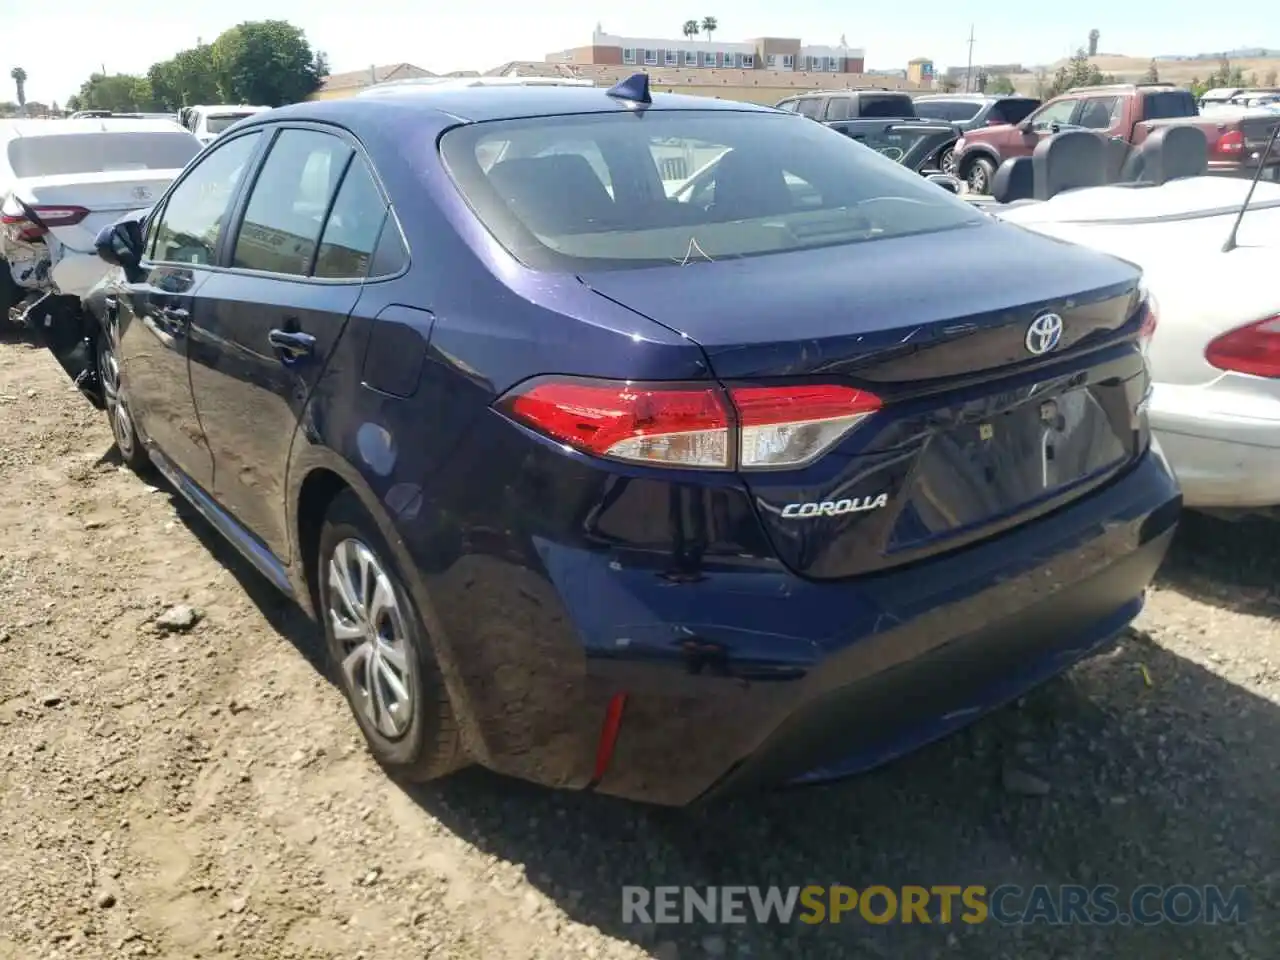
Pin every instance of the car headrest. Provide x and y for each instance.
(747, 188)
(1068, 161)
(1172, 153)
(559, 193)
(1015, 180)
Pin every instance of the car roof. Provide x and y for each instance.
(485, 103)
(11, 129)
(976, 97)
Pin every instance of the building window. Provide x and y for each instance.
(708, 59)
(834, 65)
(691, 58)
(788, 61)
(672, 58)
(628, 54)
(651, 57)
(748, 61)
(771, 60)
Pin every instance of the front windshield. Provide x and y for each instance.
(616, 190)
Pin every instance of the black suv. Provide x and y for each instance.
(969, 111)
(879, 104)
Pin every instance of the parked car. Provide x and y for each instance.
(1124, 115)
(1215, 363)
(617, 491)
(850, 104)
(209, 122)
(61, 182)
(972, 111)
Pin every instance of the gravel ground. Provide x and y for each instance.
(180, 789)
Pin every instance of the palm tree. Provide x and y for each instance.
(709, 26)
(20, 81)
(691, 29)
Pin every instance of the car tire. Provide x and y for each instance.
(379, 651)
(978, 174)
(116, 402)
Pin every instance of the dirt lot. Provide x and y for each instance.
(202, 792)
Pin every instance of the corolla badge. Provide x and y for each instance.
(834, 508)
(142, 193)
(1044, 333)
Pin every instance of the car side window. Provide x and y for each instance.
(788, 105)
(188, 227)
(391, 255)
(1098, 113)
(285, 213)
(810, 107)
(1060, 111)
(1012, 111)
(838, 108)
(351, 232)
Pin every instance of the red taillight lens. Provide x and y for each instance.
(1253, 349)
(1150, 320)
(1230, 143)
(691, 425)
(20, 226)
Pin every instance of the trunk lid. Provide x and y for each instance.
(105, 195)
(977, 433)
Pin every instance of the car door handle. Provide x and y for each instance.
(292, 344)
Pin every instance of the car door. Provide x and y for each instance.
(1045, 122)
(150, 311)
(276, 312)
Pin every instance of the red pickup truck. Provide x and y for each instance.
(1125, 114)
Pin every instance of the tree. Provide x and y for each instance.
(691, 29)
(1077, 72)
(709, 26)
(948, 85)
(20, 82)
(1094, 36)
(1270, 79)
(186, 79)
(1152, 75)
(119, 93)
(267, 62)
(1000, 85)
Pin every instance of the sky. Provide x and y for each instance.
(480, 35)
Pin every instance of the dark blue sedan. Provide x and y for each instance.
(651, 445)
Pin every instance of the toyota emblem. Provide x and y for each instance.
(1044, 333)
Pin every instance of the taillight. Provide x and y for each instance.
(691, 424)
(1230, 143)
(19, 224)
(1253, 349)
(1150, 320)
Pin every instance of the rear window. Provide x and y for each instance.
(891, 105)
(1167, 104)
(610, 191)
(219, 122)
(72, 153)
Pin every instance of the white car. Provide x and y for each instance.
(1215, 358)
(207, 123)
(61, 181)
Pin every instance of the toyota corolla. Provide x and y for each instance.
(613, 485)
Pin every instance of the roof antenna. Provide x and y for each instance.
(1262, 163)
(634, 89)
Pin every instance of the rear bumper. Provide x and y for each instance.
(869, 670)
(1222, 442)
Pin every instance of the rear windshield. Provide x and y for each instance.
(609, 191)
(219, 122)
(71, 153)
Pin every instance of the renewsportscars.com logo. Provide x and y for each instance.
(1008, 905)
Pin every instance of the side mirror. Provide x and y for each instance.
(1027, 126)
(943, 180)
(120, 244)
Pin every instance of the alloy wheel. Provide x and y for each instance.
(113, 397)
(369, 627)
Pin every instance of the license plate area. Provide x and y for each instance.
(981, 471)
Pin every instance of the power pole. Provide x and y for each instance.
(968, 72)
